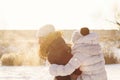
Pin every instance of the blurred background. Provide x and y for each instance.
(21, 19)
(20, 47)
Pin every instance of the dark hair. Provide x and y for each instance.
(84, 31)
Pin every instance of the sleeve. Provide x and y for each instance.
(69, 68)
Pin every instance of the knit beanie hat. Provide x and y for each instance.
(45, 30)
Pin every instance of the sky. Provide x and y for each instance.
(63, 14)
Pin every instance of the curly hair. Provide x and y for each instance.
(43, 53)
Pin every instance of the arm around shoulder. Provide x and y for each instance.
(63, 70)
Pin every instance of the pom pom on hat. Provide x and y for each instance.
(45, 30)
(84, 31)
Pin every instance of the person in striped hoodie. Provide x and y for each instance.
(87, 56)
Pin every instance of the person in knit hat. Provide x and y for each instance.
(87, 56)
(54, 49)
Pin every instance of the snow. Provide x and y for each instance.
(113, 71)
(24, 73)
(116, 52)
(42, 73)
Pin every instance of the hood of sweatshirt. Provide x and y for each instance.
(91, 38)
(87, 45)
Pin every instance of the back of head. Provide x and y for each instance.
(84, 31)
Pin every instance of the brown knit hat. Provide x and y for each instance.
(84, 31)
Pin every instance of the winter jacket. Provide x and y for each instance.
(87, 56)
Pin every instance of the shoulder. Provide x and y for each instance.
(91, 36)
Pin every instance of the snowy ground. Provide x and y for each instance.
(113, 72)
(41, 73)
